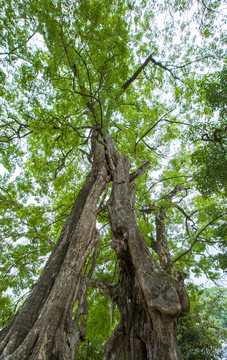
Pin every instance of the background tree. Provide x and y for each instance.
(105, 89)
(201, 332)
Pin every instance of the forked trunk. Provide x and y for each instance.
(44, 328)
(149, 298)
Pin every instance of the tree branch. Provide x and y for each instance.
(104, 288)
(187, 217)
(151, 128)
(206, 7)
(136, 74)
(19, 46)
(158, 63)
(142, 67)
(171, 177)
(138, 172)
(157, 122)
(196, 237)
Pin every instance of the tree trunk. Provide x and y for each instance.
(44, 328)
(150, 298)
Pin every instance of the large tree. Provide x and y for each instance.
(101, 114)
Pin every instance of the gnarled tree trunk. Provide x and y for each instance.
(44, 328)
(149, 296)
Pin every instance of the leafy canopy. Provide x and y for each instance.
(151, 74)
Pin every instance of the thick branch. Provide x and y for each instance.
(142, 67)
(158, 63)
(136, 74)
(131, 248)
(138, 172)
(161, 245)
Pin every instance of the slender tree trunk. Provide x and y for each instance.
(150, 298)
(44, 328)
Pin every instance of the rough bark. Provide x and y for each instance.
(150, 298)
(44, 328)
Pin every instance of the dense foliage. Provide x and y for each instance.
(152, 74)
(202, 333)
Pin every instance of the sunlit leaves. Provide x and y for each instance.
(62, 75)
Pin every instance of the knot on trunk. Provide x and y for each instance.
(120, 241)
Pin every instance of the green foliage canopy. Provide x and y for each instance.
(66, 69)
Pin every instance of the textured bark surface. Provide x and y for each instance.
(149, 296)
(44, 328)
